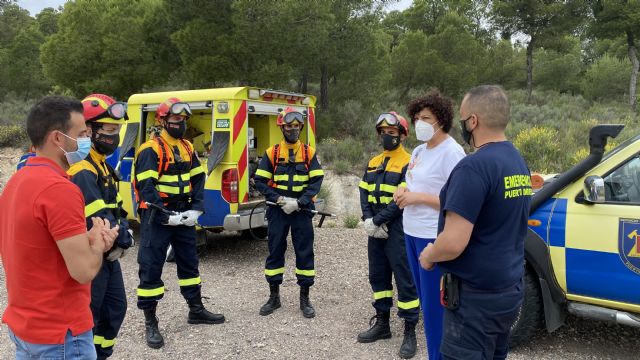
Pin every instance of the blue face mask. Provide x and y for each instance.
(84, 145)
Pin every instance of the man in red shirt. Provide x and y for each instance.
(48, 256)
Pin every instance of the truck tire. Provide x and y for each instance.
(531, 313)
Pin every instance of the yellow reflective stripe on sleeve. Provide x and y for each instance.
(409, 304)
(388, 188)
(146, 175)
(281, 178)
(402, 184)
(273, 272)
(300, 178)
(383, 199)
(366, 186)
(196, 171)
(305, 272)
(150, 292)
(383, 294)
(173, 189)
(264, 173)
(189, 282)
(314, 173)
(96, 206)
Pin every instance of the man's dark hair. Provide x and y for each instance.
(49, 114)
(440, 105)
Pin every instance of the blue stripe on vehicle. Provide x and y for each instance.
(542, 214)
(558, 226)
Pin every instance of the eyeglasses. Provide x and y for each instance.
(117, 111)
(389, 118)
(293, 116)
(180, 108)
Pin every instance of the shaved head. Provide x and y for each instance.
(489, 103)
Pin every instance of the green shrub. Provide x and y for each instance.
(14, 111)
(12, 136)
(541, 150)
(341, 167)
(351, 221)
(606, 79)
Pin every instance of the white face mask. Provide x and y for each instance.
(424, 131)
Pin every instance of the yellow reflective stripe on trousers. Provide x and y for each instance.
(264, 173)
(388, 188)
(104, 343)
(383, 199)
(146, 175)
(150, 292)
(383, 294)
(305, 272)
(189, 282)
(173, 189)
(174, 178)
(196, 171)
(273, 272)
(409, 304)
(366, 186)
(314, 173)
(96, 206)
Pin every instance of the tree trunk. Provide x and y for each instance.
(302, 85)
(324, 87)
(529, 70)
(633, 57)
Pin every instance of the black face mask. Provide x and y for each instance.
(106, 144)
(176, 130)
(291, 136)
(466, 134)
(390, 142)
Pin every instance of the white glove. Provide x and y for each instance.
(369, 227)
(290, 205)
(381, 232)
(174, 220)
(116, 253)
(190, 217)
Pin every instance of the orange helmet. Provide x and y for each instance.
(393, 119)
(289, 115)
(173, 106)
(101, 108)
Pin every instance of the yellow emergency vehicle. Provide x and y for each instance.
(230, 129)
(583, 247)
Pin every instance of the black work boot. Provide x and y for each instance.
(199, 315)
(379, 328)
(151, 331)
(408, 347)
(274, 300)
(305, 305)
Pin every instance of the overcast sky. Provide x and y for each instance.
(34, 6)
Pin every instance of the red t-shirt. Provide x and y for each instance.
(38, 207)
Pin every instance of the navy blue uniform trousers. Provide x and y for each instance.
(108, 306)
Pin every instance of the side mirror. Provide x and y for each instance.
(594, 189)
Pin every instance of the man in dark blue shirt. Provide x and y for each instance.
(483, 224)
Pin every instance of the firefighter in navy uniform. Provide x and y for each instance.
(169, 175)
(98, 182)
(290, 175)
(386, 245)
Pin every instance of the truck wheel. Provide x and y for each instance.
(529, 318)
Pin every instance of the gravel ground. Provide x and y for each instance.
(231, 269)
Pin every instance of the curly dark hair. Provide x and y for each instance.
(441, 106)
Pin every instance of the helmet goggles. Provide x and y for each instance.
(389, 119)
(180, 108)
(293, 116)
(116, 111)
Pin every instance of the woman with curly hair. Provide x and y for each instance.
(428, 170)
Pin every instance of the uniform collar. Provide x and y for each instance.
(168, 138)
(97, 157)
(391, 153)
(285, 145)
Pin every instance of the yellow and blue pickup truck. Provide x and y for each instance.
(230, 129)
(583, 246)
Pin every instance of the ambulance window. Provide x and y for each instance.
(623, 184)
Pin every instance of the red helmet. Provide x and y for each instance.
(173, 106)
(289, 115)
(393, 119)
(101, 108)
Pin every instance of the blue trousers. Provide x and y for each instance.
(428, 286)
(74, 348)
(108, 305)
